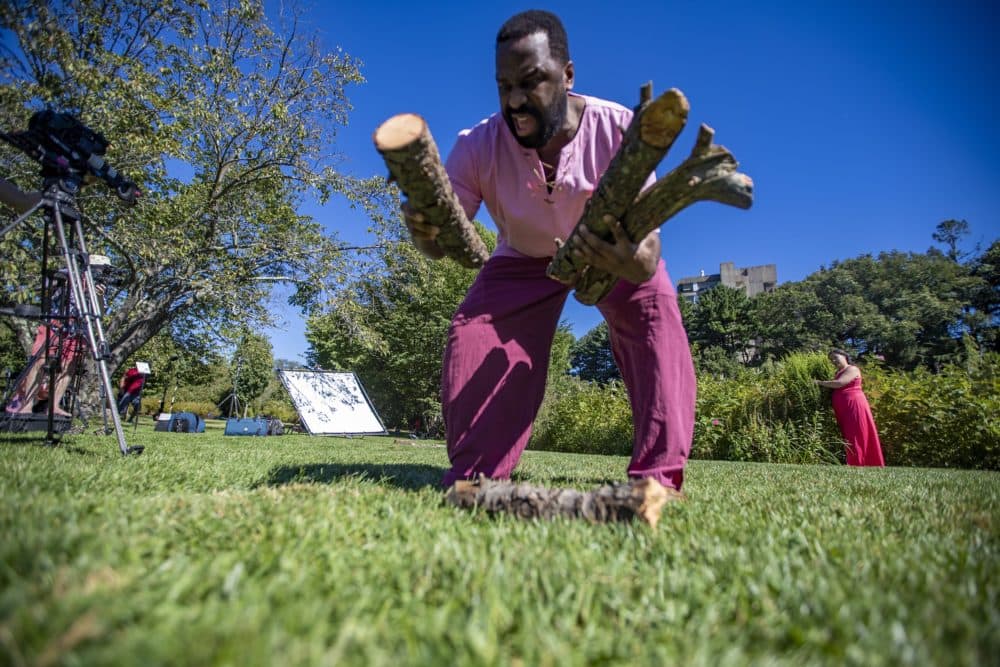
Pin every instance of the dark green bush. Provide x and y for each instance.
(777, 414)
(949, 419)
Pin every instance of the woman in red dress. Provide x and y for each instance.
(853, 413)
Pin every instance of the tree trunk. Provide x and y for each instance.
(642, 499)
(126, 329)
(90, 397)
(652, 132)
(409, 151)
(708, 174)
(24, 331)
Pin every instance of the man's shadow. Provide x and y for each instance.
(412, 477)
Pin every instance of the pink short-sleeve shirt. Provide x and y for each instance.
(487, 165)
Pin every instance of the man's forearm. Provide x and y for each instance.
(648, 254)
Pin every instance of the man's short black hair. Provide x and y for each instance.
(537, 20)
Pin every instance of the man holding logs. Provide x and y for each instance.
(539, 166)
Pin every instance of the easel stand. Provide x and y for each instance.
(58, 204)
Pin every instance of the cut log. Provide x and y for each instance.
(708, 174)
(649, 136)
(409, 151)
(641, 499)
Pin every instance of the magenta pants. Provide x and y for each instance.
(497, 358)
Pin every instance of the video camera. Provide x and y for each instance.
(65, 147)
(102, 270)
(111, 276)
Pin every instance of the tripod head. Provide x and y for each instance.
(68, 151)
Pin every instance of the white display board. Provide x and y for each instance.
(331, 403)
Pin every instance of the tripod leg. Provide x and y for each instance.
(85, 297)
(104, 410)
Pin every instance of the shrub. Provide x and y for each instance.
(150, 406)
(944, 419)
(584, 417)
(201, 408)
(282, 410)
(776, 413)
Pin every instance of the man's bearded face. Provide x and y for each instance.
(534, 127)
(533, 89)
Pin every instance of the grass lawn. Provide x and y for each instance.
(299, 550)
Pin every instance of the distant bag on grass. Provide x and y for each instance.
(275, 427)
(180, 422)
(247, 426)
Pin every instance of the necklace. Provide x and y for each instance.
(548, 175)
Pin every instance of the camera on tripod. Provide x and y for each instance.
(110, 276)
(66, 148)
(68, 152)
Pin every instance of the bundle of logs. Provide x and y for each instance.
(708, 174)
(641, 499)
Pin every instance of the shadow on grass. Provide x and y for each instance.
(39, 441)
(403, 475)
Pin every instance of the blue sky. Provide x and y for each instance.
(863, 124)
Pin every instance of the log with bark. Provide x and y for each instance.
(641, 499)
(649, 136)
(708, 174)
(409, 151)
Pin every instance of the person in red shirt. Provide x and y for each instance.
(130, 390)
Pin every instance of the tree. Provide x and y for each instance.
(723, 318)
(390, 325)
(949, 233)
(984, 316)
(917, 304)
(225, 119)
(912, 309)
(12, 358)
(251, 369)
(591, 356)
(793, 318)
(560, 360)
(686, 309)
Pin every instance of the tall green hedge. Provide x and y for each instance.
(948, 419)
(776, 413)
(584, 417)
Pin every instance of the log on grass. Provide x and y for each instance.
(409, 151)
(641, 499)
(708, 174)
(649, 136)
